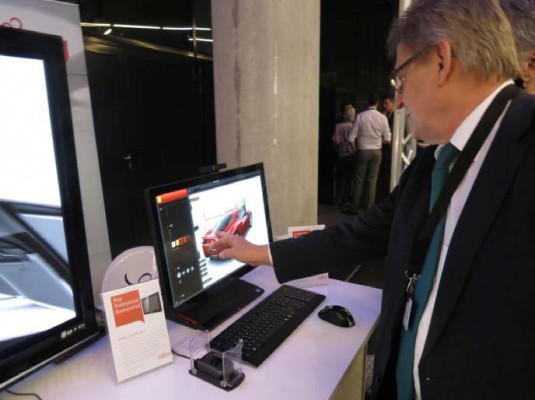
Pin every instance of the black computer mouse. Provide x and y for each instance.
(337, 315)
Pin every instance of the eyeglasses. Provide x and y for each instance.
(396, 79)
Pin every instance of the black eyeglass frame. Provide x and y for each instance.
(396, 80)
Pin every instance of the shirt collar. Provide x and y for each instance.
(467, 127)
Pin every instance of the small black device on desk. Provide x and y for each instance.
(269, 323)
(337, 315)
(217, 370)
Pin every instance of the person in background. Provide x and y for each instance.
(521, 15)
(388, 111)
(369, 132)
(457, 316)
(383, 181)
(345, 163)
(341, 117)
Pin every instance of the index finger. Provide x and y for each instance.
(222, 239)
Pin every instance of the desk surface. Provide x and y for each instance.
(308, 365)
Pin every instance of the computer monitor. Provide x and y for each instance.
(199, 289)
(46, 302)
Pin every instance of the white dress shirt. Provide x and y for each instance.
(371, 128)
(459, 140)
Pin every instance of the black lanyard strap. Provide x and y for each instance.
(465, 159)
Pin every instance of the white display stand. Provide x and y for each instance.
(308, 365)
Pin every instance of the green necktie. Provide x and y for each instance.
(404, 378)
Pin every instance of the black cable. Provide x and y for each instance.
(23, 394)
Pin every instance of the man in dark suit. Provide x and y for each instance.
(473, 335)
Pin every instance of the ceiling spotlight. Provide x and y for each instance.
(108, 31)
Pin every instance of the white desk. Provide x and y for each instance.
(308, 365)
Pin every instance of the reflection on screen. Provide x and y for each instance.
(188, 220)
(35, 289)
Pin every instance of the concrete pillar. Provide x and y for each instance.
(398, 135)
(266, 77)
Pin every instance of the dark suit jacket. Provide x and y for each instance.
(481, 343)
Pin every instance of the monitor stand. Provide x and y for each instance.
(210, 308)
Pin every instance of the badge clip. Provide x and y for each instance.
(412, 282)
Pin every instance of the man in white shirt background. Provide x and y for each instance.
(369, 132)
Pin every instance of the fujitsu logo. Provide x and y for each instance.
(13, 22)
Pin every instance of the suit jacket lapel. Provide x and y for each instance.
(483, 203)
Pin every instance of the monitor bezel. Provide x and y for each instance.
(179, 313)
(35, 351)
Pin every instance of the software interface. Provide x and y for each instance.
(188, 220)
(35, 291)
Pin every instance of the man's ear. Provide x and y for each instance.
(444, 61)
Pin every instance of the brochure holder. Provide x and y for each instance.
(221, 369)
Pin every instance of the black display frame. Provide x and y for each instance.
(218, 302)
(32, 352)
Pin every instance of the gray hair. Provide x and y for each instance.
(521, 15)
(477, 30)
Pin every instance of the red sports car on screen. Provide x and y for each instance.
(236, 222)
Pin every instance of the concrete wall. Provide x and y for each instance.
(266, 78)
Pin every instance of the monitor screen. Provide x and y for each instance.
(185, 217)
(46, 304)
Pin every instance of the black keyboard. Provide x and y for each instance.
(271, 321)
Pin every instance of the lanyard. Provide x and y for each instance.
(465, 159)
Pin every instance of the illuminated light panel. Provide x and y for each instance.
(201, 40)
(136, 26)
